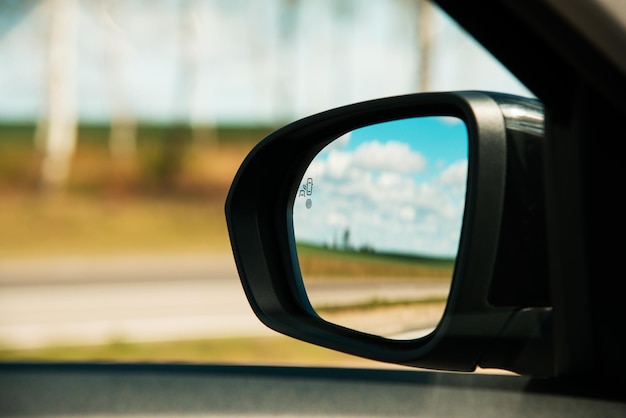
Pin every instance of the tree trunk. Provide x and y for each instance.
(57, 130)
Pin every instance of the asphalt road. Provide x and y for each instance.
(144, 298)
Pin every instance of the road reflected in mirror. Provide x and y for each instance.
(377, 222)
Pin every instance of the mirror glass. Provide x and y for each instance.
(377, 221)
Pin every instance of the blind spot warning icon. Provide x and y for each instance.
(307, 188)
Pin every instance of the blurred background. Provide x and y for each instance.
(122, 124)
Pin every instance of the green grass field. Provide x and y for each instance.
(168, 198)
(168, 160)
(74, 225)
(318, 263)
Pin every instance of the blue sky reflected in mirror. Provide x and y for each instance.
(391, 187)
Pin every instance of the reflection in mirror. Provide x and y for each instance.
(377, 222)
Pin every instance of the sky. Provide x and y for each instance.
(396, 187)
(231, 61)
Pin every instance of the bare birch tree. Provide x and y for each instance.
(123, 133)
(342, 57)
(284, 83)
(424, 42)
(56, 136)
(191, 39)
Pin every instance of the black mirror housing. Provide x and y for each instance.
(484, 323)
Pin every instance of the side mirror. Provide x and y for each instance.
(342, 188)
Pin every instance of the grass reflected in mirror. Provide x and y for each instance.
(323, 262)
(394, 295)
